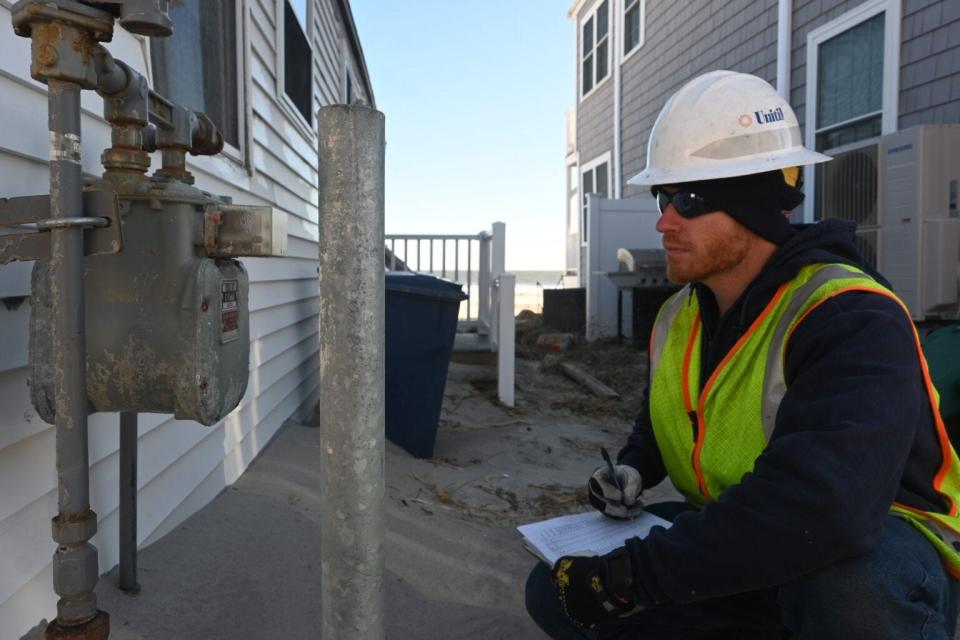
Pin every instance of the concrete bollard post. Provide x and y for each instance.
(352, 530)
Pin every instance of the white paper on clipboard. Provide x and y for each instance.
(590, 533)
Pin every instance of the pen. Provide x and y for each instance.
(613, 472)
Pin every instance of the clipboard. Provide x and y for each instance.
(584, 534)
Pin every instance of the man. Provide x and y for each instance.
(788, 401)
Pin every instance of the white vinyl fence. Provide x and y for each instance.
(478, 263)
(627, 223)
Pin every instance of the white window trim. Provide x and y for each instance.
(611, 21)
(623, 28)
(286, 104)
(589, 166)
(236, 154)
(891, 74)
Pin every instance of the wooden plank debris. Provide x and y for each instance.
(590, 382)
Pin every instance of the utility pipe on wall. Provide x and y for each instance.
(784, 48)
(352, 531)
(127, 578)
(617, 98)
(75, 566)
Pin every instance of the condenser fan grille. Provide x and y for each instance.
(848, 188)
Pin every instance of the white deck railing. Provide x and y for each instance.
(472, 260)
(477, 262)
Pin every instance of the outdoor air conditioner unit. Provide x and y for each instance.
(901, 190)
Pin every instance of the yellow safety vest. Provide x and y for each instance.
(710, 438)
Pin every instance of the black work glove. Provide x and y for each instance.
(610, 501)
(593, 589)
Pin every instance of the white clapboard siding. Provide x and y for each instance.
(182, 465)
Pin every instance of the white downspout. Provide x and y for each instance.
(784, 41)
(615, 58)
(577, 80)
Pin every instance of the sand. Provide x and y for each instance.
(493, 468)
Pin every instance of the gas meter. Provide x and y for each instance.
(167, 320)
(166, 300)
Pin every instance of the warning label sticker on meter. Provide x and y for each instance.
(229, 310)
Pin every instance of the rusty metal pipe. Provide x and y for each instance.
(61, 35)
(112, 78)
(75, 566)
(66, 199)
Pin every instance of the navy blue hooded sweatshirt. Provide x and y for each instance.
(854, 433)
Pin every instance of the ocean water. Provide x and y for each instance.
(528, 293)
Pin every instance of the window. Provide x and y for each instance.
(850, 85)
(595, 180)
(595, 54)
(634, 12)
(297, 58)
(197, 66)
(853, 65)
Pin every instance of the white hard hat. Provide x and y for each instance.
(723, 124)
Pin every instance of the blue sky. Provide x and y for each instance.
(475, 94)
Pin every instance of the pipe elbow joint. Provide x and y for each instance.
(206, 139)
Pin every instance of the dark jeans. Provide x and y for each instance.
(898, 591)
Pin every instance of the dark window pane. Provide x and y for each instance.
(197, 66)
(600, 173)
(587, 38)
(603, 20)
(588, 74)
(602, 60)
(847, 134)
(850, 73)
(632, 25)
(297, 64)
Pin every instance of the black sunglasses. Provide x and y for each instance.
(688, 205)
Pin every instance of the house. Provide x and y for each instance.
(260, 69)
(852, 70)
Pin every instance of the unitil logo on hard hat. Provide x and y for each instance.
(745, 120)
(771, 115)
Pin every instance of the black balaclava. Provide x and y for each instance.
(756, 201)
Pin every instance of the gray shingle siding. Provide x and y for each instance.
(739, 35)
(595, 123)
(930, 63)
(595, 113)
